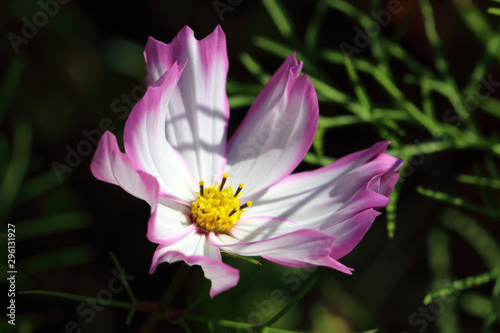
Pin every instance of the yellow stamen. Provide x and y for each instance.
(224, 178)
(201, 187)
(217, 208)
(240, 187)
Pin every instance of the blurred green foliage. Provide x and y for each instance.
(388, 89)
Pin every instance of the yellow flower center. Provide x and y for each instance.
(217, 208)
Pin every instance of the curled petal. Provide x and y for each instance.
(169, 222)
(195, 249)
(333, 197)
(302, 248)
(110, 165)
(277, 131)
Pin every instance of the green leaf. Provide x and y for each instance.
(480, 181)
(292, 303)
(439, 259)
(475, 304)
(78, 298)
(458, 285)
(451, 199)
(23, 322)
(478, 23)
(359, 89)
(283, 51)
(280, 18)
(11, 82)
(313, 29)
(240, 101)
(66, 257)
(254, 67)
(125, 57)
(16, 169)
(494, 11)
(317, 160)
(485, 244)
(38, 185)
(235, 324)
(52, 224)
(122, 275)
(244, 258)
(493, 314)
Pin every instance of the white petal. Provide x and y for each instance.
(197, 115)
(195, 249)
(145, 141)
(251, 229)
(170, 222)
(320, 198)
(276, 133)
(109, 164)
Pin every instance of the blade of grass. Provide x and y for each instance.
(494, 308)
(66, 257)
(441, 63)
(281, 19)
(485, 244)
(294, 300)
(254, 67)
(438, 244)
(17, 167)
(122, 275)
(38, 185)
(78, 298)
(481, 68)
(494, 11)
(359, 89)
(450, 199)
(459, 285)
(240, 101)
(283, 51)
(11, 82)
(52, 224)
(313, 29)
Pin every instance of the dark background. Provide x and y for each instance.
(90, 54)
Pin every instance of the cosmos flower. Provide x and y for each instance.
(208, 196)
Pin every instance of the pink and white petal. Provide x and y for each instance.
(110, 165)
(276, 133)
(339, 199)
(352, 182)
(350, 232)
(146, 144)
(252, 229)
(169, 222)
(387, 183)
(302, 248)
(195, 249)
(198, 112)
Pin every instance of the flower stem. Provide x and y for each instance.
(166, 300)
